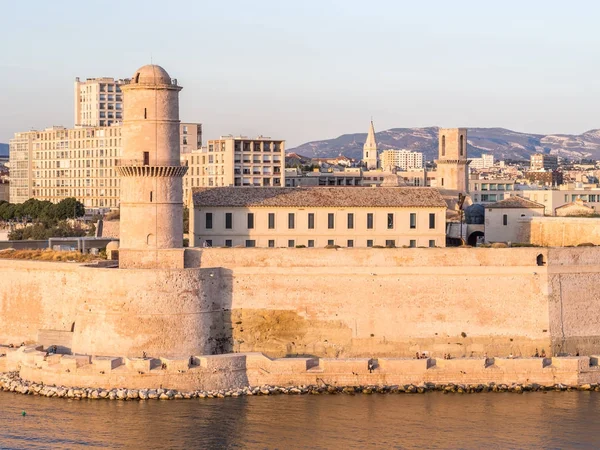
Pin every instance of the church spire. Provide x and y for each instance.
(370, 149)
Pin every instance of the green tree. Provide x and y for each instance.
(68, 208)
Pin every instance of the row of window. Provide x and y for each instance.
(208, 222)
(291, 243)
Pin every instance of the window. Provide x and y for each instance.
(311, 243)
(369, 242)
(271, 243)
(271, 221)
(229, 221)
(504, 219)
(291, 243)
(350, 243)
(413, 243)
(228, 243)
(330, 221)
(291, 221)
(390, 221)
(390, 243)
(330, 242)
(209, 222)
(250, 243)
(209, 242)
(350, 221)
(431, 221)
(413, 221)
(146, 158)
(443, 148)
(432, 242)
(462, 152)
(145, 113)
(370, 221)
(311, 221)
(250, 221)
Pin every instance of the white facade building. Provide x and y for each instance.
(485, 162)
(401, 159)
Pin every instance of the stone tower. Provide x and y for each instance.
(151, 228)
(370, 149)
(452, 164)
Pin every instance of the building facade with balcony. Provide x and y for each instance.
(98, 102)
(317, 217)
(401, 159)
(240, 161)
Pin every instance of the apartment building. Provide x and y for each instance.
(401, 159)
(540, 161)
(562, 195)
(484, 162)
(240, 161)
(317, 217)
(98, 102)
(490, 191)
(58, 162)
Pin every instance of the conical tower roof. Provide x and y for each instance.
(371, 143)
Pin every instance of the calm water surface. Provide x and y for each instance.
(433, 420)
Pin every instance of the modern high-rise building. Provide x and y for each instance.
(237, 161)
(370, 158)
(539, 161)
(59, 162)
(401, 159)
(98, 102)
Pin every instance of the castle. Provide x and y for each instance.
(169, 302)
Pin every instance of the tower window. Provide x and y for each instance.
(443, 145)
(150, 196)
(145, 113)
(137, 77)
(146, 158)
(461, 145)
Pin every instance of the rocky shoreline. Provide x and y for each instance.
(11, 382)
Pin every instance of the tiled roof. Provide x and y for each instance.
(515, 202)
(374, 197)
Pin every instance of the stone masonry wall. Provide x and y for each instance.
(316, 302)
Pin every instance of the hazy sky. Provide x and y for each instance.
(308, 70)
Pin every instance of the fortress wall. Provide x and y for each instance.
(574, 299)
(323, 302)
(559, 231)
(114, 312)
(385, 302)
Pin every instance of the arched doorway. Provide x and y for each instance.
(473, 237)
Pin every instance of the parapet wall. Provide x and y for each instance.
(255, 369)
(559, 231)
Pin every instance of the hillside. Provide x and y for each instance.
(502, 143)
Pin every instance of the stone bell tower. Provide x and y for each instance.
(452, 162)
(151, 228)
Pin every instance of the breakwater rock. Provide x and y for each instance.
(11, 382)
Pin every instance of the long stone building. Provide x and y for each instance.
(318, 217)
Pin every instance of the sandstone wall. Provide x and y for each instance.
(321, 302)
(385, 302)
(574, 299)
(559, 231)
(112, 311)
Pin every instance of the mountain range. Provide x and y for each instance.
(502, 143)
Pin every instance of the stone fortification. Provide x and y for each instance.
(235, 371)
(319, 302)
(559, 231)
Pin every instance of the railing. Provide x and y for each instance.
(173, 81)
(142, 162)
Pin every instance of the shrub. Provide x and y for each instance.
(332, 246)
(300, 246)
